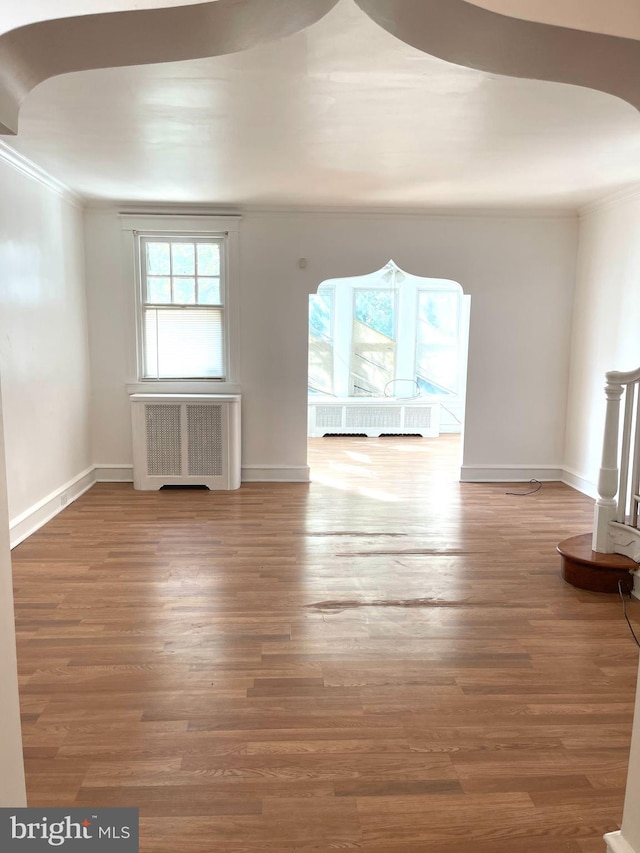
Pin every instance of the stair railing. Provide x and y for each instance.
(615, 526)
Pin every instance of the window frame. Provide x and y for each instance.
(142, 240)
(183, 227)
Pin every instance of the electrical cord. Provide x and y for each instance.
(537, 486)
(624, 610)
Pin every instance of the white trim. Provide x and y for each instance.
(124, 207)
(615, 199)
(182, 386)
(450, 429)
(39, 514)
(636, 584)
(163, 224)
(509, 473)
(580, 483)
(188, 223)
(275, 473)
(412, 213)
(123, 473)
(113, 473)
(31, 170)
(160, 209)
(617, 844)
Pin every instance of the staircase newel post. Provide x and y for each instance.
(608, 479)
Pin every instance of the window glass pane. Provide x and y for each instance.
(320, 310)
(320, 366)
(373, 347)
(440, 310)
(182, 319)
(375, 308)
(208, 259)
(184, 291)
(183, 256)
(320, 343)
(209, 291)
(373, 357)
(437, 344)
(183, 343)
(158, 259)
(158, 290)
(150, 353)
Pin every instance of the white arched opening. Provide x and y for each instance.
(383, 337)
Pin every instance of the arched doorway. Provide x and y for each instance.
(387, 355)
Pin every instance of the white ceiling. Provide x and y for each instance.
(341, 114)
(29, 11)
(616, 17)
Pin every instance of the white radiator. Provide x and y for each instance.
(374, 417)
(186, 439)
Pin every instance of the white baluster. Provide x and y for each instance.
(606, 506)
(623, 487)
(635, 471)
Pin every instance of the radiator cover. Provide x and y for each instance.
(373, 417)
(186, 439)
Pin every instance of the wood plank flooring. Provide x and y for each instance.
(218, 659)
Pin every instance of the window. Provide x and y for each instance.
(321, 342)
(182, 323)
(373, 342)
(437, 342)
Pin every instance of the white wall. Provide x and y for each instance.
(110, 308)
(606, 320)
(12, 783)
(518, 270)
(45, 396)
(44, 356)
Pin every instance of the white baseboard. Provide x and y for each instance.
(450, 429)
(40, 513)
(36, 516)
(275, 474)
(250, 473)
(508, 474)
(114, 473)
(617, 844)
(580, 483)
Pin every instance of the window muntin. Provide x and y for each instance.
(182, 323)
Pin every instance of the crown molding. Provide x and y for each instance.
(27, 167)
(610, 200)
(174, 211)
(409, 213)
(170, 209)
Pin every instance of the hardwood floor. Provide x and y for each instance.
(218, 660)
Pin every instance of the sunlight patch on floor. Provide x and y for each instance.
(346, 485)
(358, 457)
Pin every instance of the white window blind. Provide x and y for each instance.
(182, 307)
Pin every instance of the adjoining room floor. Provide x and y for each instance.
(382, 660)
